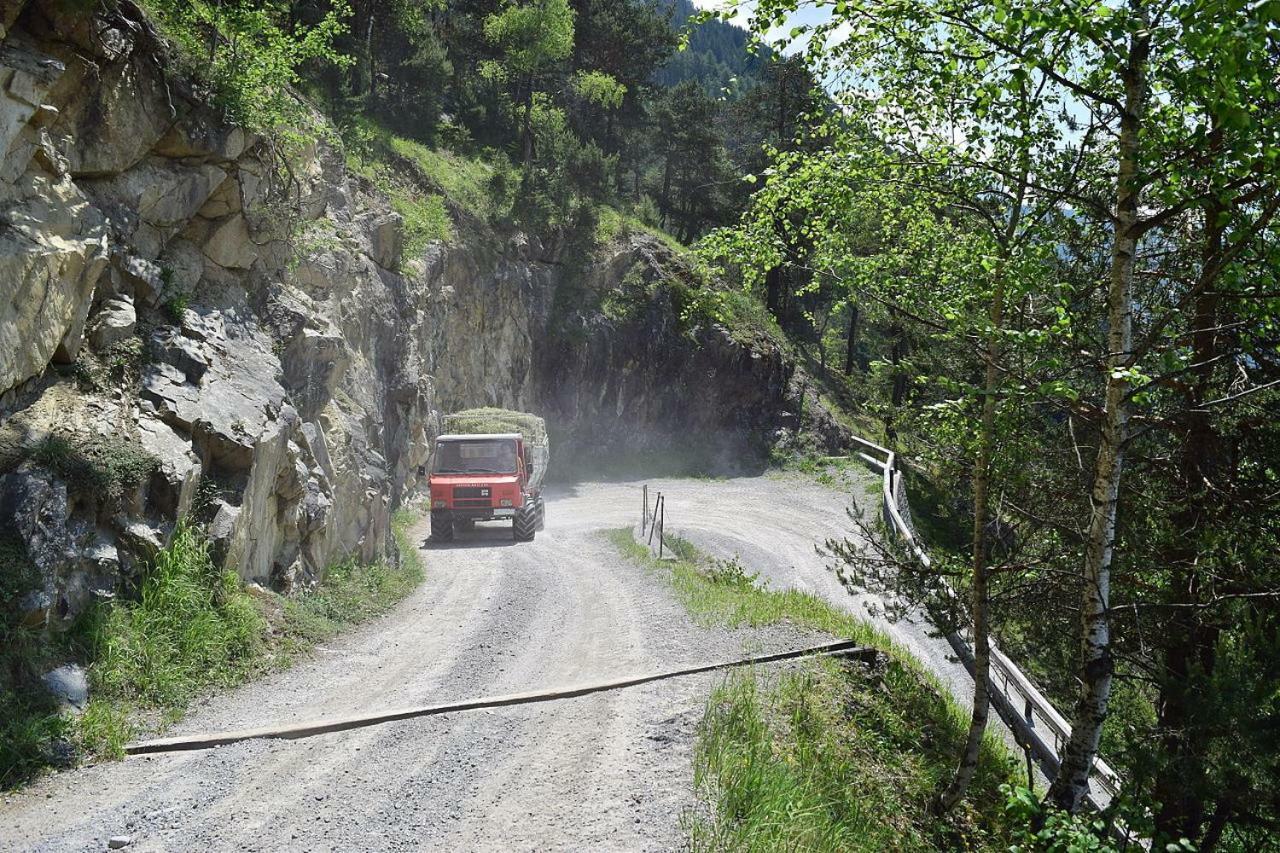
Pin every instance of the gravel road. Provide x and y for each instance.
(610, 771)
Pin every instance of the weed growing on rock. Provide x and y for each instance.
(104, 467)
(193, 628)
(30, 725)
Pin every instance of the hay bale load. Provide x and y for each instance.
(488, 420)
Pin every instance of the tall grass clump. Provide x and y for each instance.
(193, 627)
(818, 759)
(826, 757)
(352, 593)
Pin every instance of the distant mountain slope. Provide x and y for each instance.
(716, 54)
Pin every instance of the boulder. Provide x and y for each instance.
(144, 278)
(69, 684)
(114, 117)
(173, 486)
(115, 322)
(176, 401)
(224, 201)
(26, 76)
(200, 136)
(181, 267)
(386, 238)
(51, 255)
(160, 198)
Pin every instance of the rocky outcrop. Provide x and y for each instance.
(257, 353)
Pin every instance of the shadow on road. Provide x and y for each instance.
(483, 536)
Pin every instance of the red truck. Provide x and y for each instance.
(487, 476)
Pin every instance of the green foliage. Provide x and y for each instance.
(249, 55)
(467, 182)
(193, 628)
(1059, 832)
(599, 88)
(755, 769)
(31, 730)
(101, 467)
(352, 593)
(118, 366)
(827, 759)
(532, 34)
(426, 220)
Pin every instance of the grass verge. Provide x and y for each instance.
(193, 629)
(825, 756)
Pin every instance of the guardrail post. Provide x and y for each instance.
(644, 510)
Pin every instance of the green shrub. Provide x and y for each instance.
(30, 724)
(1058, 831)
(247, 53)
(822, 759)
(194, 627)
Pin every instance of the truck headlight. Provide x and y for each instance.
(439, 503)
(505, 502)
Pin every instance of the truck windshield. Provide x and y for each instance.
(488, 456)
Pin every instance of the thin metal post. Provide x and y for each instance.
(662, 525)
(654, 527)
(644, 510)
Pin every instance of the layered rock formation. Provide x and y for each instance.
(206, 338)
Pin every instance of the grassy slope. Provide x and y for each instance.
(193, 630)
(824, 757)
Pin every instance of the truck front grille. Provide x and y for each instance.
(471, 496)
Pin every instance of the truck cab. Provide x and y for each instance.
(482, 478)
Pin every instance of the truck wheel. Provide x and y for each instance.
(441, 527)
(525, 524)
(542, 514)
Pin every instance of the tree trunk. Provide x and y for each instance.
(981, 603)
(1070, 785)
(851, 340)
(526, 130)
(773, 291)
(369, 58)
(1190, 650)
(898, 390)
(664, 203)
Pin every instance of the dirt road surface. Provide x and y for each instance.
(605, 772)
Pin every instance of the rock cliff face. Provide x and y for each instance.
(183, 333)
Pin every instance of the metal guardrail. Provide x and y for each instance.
(1035, 722)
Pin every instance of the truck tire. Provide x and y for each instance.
(525, 523)
(441, 527)
(542, 513)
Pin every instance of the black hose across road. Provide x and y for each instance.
(843, 648)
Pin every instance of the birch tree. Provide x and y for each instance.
(1128, 94)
